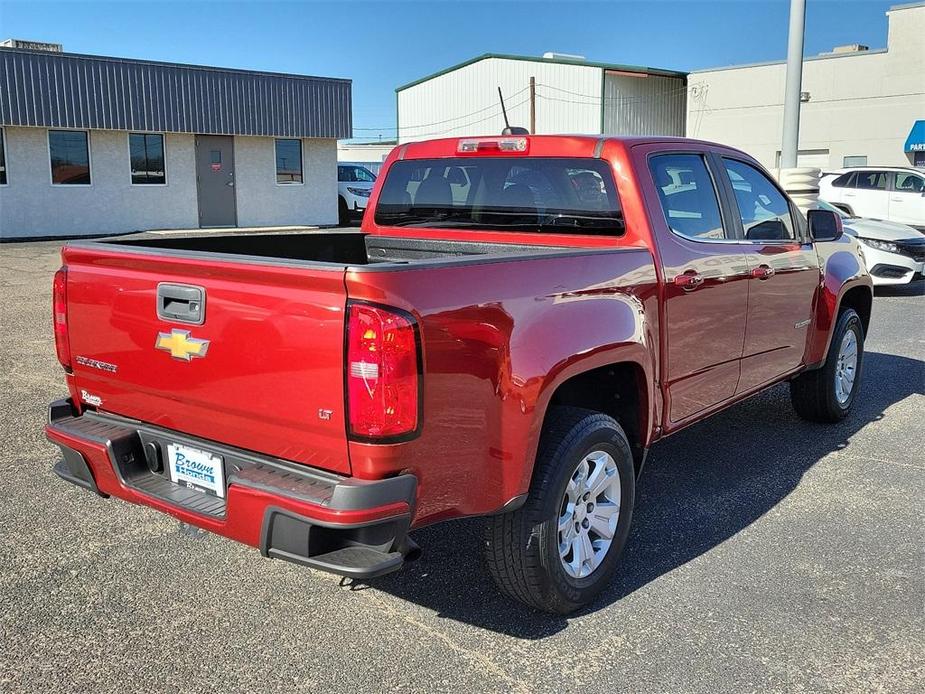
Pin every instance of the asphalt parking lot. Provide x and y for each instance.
(766, 554)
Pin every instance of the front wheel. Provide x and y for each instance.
(827, 394)
(560, 549)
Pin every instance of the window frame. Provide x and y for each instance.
(6, 157)
(800, 235)
(722, 203)
(128, 144)
(301, 162)
(51, 170)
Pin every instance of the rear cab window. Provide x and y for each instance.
(543, 194)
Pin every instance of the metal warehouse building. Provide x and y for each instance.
(570, 95)
(860, 106)
(96, 145)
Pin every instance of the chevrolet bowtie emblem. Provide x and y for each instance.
(181, 345)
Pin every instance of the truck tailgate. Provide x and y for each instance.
(270, 377)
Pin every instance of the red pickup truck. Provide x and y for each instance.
(517, 321)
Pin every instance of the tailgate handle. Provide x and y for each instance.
(182, 303)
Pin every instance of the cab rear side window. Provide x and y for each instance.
(688, 196)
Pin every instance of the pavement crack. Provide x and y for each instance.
(514, 684)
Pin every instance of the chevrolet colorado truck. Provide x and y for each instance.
(517, 321)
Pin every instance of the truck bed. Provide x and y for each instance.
(334, 247)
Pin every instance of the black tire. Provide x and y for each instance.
(813, 393)
(343, 214)
(522, 547)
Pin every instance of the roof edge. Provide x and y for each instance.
(539, 59)
(906, 6)
(163, 63)
(824, 56)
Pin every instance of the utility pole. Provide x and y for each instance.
(533, 105)
(791, 136)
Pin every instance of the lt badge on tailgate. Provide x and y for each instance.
(181, 345)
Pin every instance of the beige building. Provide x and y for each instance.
(859, 106)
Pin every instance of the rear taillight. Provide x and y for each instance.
(382, 373)
(59, 316)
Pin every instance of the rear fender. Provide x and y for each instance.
(580, 351)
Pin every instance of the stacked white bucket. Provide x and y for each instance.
(802, 185)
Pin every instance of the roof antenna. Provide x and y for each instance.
(508, 130)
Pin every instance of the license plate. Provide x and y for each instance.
(196, 469)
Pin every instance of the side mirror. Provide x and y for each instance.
(824, 225)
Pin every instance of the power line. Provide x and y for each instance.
(597, 98)
(470, 124)
(448, 120)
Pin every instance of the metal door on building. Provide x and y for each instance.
(215, 180)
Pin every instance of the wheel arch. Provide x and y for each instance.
(620, 389)
(845, 282)
(861, 299)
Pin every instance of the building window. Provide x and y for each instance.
(146, 154)
(2, 157)
(69, 151)
(288, 161)
(860, 160)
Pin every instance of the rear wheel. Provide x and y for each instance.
(559, 550)
(827, 394)
(343, 213)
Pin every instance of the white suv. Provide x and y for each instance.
(354, 185)
(878, 192)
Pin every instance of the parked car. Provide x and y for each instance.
(893, 253)
(519, 319)
(354, 184)
(893, 194)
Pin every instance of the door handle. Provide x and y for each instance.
(763, 272)
(689, 281)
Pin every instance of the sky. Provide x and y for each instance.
(382, 45)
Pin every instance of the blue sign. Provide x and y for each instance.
(916, 140)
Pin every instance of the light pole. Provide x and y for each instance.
(791, 137)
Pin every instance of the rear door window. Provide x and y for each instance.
(872, 180)
(763, 209)
(688, 196)
(548, 194)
